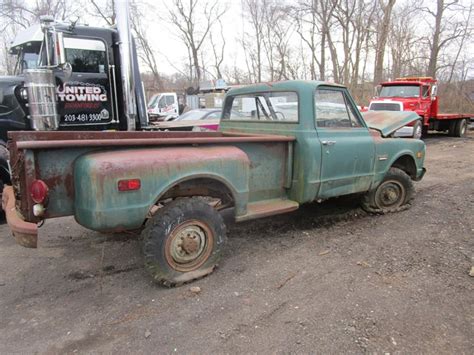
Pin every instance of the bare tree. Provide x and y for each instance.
(144, 49)
(307, 28)
(383, 29)
(218, 55)
(194, 22)
(447, 28)
(252, 42)
(104, 11)
(326, 19)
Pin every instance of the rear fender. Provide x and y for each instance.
(100, 206)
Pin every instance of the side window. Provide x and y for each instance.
(169, 100)
(85, 55)
(162, 102)
(425, 90)
(331, 110)
(355, 122)
(263, 106)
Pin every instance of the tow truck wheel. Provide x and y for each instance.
(2, 212)
(183, 241)
(460, 128)
(417, 130)
(4, 178)
(393, 194)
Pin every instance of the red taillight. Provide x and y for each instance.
(38, 191)
(129, 185)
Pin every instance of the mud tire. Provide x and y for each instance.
(4, 156)
(183, 221)
(452, 128)
(460, 128)
(396, 183)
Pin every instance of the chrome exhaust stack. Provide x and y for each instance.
(41, 88)
(122, 12)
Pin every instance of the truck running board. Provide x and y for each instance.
(267, 208)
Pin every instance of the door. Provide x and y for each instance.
(171, 105)
(347, 148)
(85, 98)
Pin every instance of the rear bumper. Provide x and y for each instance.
(25, 233)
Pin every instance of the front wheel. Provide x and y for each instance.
(393, 194)
(183, 241)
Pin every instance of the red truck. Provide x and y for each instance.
(419, 94)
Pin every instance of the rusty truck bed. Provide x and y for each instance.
(27, 148)
(38, 140)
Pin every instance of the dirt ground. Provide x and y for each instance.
(328, 278)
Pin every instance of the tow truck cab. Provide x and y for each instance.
(420, 95)
(417, 94)
(72, 77)
(86, 73)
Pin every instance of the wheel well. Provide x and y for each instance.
(200, 187)
(407, 164)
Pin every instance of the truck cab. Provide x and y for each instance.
(163, 107)
(416, 94)
(419, 95)
(71, 77)
(86, 95)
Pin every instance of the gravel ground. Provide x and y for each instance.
(328, 278)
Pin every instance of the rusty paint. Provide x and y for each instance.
(160, 170)
(387, 122)
(267, 208)
(147, 142)
(25, 233)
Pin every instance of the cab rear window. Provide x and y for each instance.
(263, 106)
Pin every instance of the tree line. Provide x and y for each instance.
(353, 42)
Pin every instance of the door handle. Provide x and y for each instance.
(328, 142)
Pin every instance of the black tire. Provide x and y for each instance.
(417, 130)
(4, 175)
(424, 132)
(183, 241)
(2, 212)
(452, 128)
(393, 194)
(460, 128)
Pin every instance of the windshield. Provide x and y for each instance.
(152, 101)
(400, 91)
(27, 59)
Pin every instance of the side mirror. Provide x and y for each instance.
(434, 92)
(67, 70)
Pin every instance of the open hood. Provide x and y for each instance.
(387, 122)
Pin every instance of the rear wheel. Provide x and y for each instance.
(183, 241)
(460, 128)
(393, 194)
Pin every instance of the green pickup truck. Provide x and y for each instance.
(279, 145)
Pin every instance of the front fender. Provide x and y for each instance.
(389, 150)
(100, 206)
